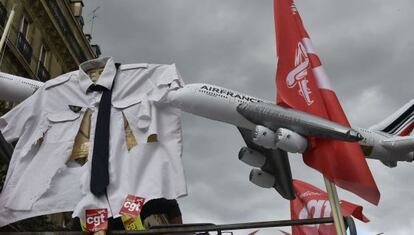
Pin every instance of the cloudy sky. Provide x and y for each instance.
(366, 48)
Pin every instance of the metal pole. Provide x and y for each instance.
(228, 227)
(335, 207)
(7, 28)
(197, 228)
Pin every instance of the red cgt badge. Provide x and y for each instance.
(132, 206)
(96, 219)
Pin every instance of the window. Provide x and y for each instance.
(42, 56)
(22, 44)
(42, 72)
(3, 14)
(24, 26)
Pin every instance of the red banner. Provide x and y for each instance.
(303, 84)
(311, 202)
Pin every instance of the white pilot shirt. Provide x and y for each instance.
(39, 180)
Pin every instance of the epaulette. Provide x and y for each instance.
(133, 66)
(57, 81)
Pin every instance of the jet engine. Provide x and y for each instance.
(252, 157)
(291, 141)
(262, 178)
(264, 137)
(284, 139)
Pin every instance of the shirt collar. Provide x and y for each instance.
(107, 77)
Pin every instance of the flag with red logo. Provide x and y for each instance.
(311, 202)
(96, 219)
(132, 206)
(303, 84)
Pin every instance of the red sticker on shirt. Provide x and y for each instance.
(132, 206)
(96, 219)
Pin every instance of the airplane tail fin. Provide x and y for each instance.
(400, 123)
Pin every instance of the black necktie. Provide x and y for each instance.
(100, 155)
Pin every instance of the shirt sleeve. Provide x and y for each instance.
(23, 117)
(170, 79)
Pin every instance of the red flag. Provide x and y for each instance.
(303, 84)
(311, 202)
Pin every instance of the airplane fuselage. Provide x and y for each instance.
(374, 146)
(232, 107)
(213, 102)
(220, 104)
(15, 88)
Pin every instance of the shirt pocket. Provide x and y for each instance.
(63, 126)
(139, 115)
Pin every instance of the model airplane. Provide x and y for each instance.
(391, 140)
(271, 131)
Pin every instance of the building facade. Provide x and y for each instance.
(46, 39)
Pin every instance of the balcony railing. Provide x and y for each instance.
(3, 15)
(96, 50)
(80, 21)
(42, 73)
(66, 29)
(24, 47)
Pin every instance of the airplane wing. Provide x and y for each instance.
(276, 164)
(275, 117)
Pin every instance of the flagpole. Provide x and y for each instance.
(7, 28)
(336, 198)
(335, 206)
